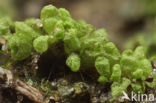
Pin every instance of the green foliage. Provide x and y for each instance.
(71, 41)
(152, 84)
(48, 12)
(103, 67)
(116, 73)
(20, 43)
(119, 87)
(84, 48)
(6, 25)
(73, 61)
(41, 44)
(102, 80)
(134, 68)
(20, 47)
(35, 24)
(132, 63)
(147, 40)
(138, 87)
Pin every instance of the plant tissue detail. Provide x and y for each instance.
(84, 47)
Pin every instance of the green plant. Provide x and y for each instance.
(84, 46)
(132, 70)
(147, 40)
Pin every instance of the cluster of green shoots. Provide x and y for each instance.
(145, 39)
(84, 46)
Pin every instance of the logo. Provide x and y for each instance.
(125, 96)
(138, 97)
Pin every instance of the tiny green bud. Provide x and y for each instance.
(49, 25)
(138, 74)
(20, 47)
(102, 80)
(102, 66)
(71, 41)
(137, 87)
(48, 12)
(64, 13)
(73, 62)
(41, 44)
(59, 31)
(116, 73)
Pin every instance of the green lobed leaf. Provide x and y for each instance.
(116, 73)
(103, 66)
(41, 44)
(73, 62)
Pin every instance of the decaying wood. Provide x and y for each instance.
(7, 80)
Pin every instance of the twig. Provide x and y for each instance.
(8, 81)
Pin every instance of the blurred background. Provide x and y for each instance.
(121, 18)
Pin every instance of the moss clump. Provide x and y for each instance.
(145, 39)
(84, 46)
(132, 70)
